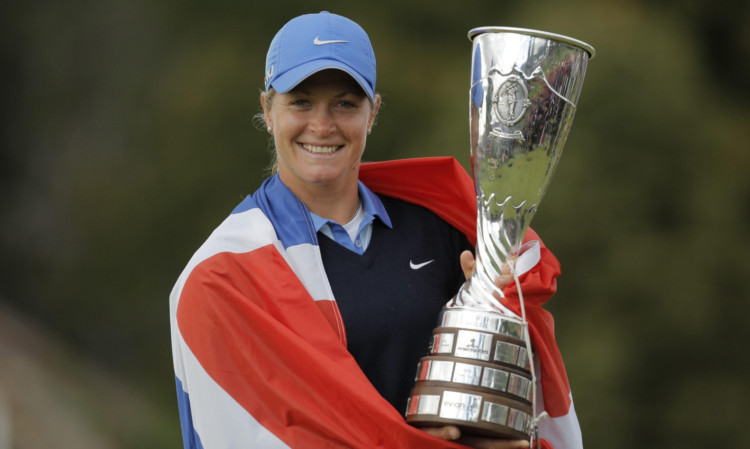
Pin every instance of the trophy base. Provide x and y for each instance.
(475, 377)
(474, 412)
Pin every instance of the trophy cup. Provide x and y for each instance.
(479, 373)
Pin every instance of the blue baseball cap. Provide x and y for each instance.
(313, 42)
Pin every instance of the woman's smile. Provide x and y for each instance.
(319, 149)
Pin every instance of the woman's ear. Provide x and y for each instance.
(265, 103)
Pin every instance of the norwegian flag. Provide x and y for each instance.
(258, 343)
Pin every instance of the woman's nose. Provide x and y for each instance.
(322, 122)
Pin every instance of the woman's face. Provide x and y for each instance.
(320, 128)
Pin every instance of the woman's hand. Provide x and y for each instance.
(468, 263)
(453, 433)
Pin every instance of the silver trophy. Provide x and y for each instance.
(479, 374)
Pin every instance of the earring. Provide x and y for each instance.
(369, 131)
(270, 130)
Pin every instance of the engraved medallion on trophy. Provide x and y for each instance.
(479, 373)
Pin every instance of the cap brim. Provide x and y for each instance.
(291, 78)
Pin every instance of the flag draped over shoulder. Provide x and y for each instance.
(258, 343)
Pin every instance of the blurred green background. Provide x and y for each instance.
(128, 136)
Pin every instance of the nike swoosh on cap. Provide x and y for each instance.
(417, 266)
(317, 41)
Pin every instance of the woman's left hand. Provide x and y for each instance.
(468, 264)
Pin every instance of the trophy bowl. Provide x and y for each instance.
(479, 371)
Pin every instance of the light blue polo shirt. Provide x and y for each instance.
(372, 207)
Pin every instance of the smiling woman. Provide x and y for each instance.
(301, 320)
(320, 128)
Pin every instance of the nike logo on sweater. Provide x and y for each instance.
(417, 266)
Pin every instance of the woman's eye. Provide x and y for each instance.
(346, 104)
(300, 102)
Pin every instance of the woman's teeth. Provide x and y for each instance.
(319, 150)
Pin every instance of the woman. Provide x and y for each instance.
(264, 355)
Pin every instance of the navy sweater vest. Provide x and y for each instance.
(391, 295)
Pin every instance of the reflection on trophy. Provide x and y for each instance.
(479, 374)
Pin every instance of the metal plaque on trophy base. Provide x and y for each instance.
(484, 354)
(479, 372)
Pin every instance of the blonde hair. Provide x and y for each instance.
(259, 120)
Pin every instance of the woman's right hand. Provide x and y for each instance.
(453, 433)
